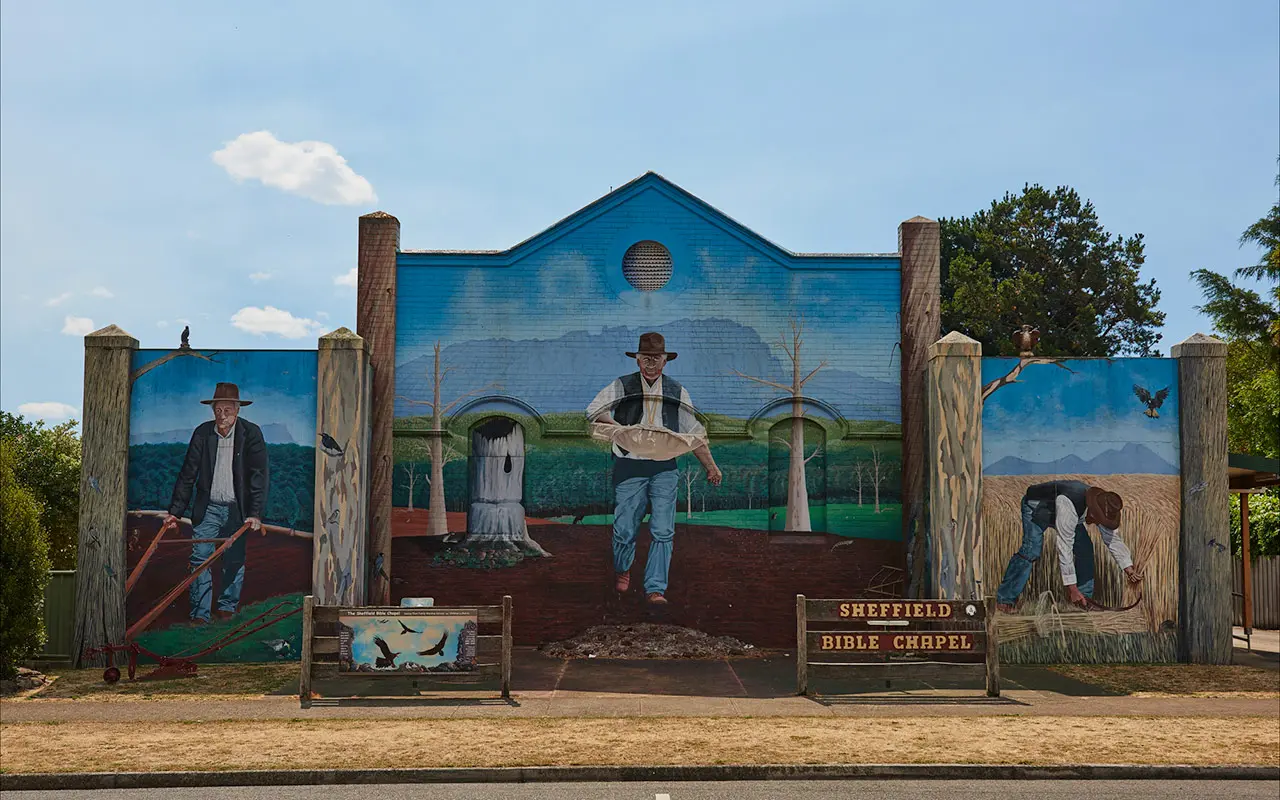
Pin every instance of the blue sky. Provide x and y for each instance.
(821, 125)
(1084, 410)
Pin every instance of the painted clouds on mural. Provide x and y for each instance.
(1085, 416)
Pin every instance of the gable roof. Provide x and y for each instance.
(649, 181)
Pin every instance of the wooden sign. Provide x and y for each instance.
(890, 641)
(406, 640)
(910, 611)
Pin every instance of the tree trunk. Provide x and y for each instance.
(497, 482)
(413, 479)
(797, 489)
(438, 523)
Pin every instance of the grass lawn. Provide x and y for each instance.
(842, 519)
(285, 635)
(223, 681)
(354, 744)
(1177, 680)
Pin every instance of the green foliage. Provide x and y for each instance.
(24, 567)
(290, 496)
(47, 462)
(1253, 399)
(1042, 258)
(1264, 524)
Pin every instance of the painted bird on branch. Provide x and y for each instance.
(437, 648)
(1153, 402)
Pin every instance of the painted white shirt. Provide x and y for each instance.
(611, 395)
(224, 489)
(1065, 523)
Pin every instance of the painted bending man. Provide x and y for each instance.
(226, 471)
(1066, 506)
(648, 398)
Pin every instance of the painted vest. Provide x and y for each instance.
(630, 409)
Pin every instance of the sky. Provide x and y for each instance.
(1084, 408)
(170, 164)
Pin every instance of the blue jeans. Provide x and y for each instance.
(1018, 572)
(219, 522)
(632, 496)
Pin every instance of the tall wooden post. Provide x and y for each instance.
(340, 555)
(921, 322)
(104, 480)
(1246, 577)
(376, 324)
(1204, 606)
(955, 475)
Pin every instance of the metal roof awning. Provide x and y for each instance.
(1245, 472)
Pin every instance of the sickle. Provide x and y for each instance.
(1091, 605)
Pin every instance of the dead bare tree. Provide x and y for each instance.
(877, 475)
(689, 475)
(1012, 375)
(859, 475)
(797, 490)
(438, 522)
(169, 356)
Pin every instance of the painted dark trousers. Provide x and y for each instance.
(632, 494)
(1018, 572)
(220, 521)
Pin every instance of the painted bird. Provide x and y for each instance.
(111, 573)
(1152, 402)
(437, 648)
(406, 629)
(388, 658)
(377, 568)
(333, 518)
(280, 647)
(94, 485)
(1025, 339)
(330, 445)
(186, 338)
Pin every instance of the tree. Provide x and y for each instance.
(859, 475)
(24, 567)
(797, 491)
(879, 474)
(1250, 322)
(1043, 258)
(47, 462)
(689, 475)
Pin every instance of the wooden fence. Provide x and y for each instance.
(1266, 592)
(59, 615)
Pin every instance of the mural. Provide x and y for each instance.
(220, 495)
(1080, 506)
(644, 373)
(394, 640)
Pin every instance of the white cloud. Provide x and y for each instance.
(346, 279)
(77, 326)
(49, 411)
(58, 299)
(313, 170)
(102, 291)
(322, 314)
(259, 277)
(262, 321)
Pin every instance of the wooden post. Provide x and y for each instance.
(954, 389)
(340, 555)
(376, 324)
(1246, 577)
(993, 649)
(1205, 553)
(506, 646)
(919, 241)
(308, 633)
(104, 479)
(802, 647)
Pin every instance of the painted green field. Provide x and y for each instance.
(184, 638)
(842, 519)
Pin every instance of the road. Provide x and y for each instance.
(713, 790)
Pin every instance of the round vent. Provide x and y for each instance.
(647, 266)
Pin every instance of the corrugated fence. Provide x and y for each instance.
(59, 615)
(1266, 592)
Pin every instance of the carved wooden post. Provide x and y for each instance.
(376, 324)
(104, 479)
(1204, 606)
(340, 556)
(955, 477)
(921, 322)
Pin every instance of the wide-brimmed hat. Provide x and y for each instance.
(1104, 506)
(226, 391)
(652, 344)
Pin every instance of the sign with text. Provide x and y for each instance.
(906, 610)
(406, 640)
(892, 641)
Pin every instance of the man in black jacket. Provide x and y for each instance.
(226, 466)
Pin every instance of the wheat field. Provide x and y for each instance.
(1045, 626)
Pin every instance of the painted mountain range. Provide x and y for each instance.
(273, 432)
(565, 373)
(1131, 459)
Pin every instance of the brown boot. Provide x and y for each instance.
(623, 582)
(656, 599)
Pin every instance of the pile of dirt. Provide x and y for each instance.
(648, 640)
(26, 680)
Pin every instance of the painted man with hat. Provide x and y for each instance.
(1066, 506)
(650, 399)
(227, 472)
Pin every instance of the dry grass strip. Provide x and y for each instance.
(1180, 680)
(215, 681)
(312, 744)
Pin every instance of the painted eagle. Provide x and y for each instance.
(1025, 339)
(388, 658)
(437, 648)
(1153, 401)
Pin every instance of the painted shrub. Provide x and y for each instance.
(1073, 442)
(272, 474)
(785, 370)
